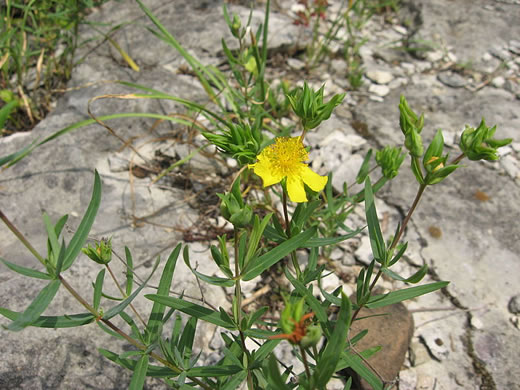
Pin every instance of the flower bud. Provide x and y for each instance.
(235, 26)
(102, 254)
(390, 159)
(312, 336)
(478, 144)
(234, 209)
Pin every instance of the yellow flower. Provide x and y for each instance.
(285, 158)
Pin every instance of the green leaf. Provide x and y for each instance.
(221, 260)
(266, 349)
(215, 280)
(155, 320)
(152, 371)
(273, 374)
(327, 363)
(415, 278)
(322, 241)
(37, 307)
(310, 299)
(17, 156)
(52, 237)
(60, 224)
(364, 169)
(356, 364)
(403, 295)
(98, 288)
(256, 235)
(68, 321)
(416, 169)
(192, 309)
(185, 345)
(79, 238)
(377, 241)
(235, 381)
(26, 271)
(121, 306)
(129, 271)
(61, 258)
(258, 265)
(399, 254)
(139, 375)
(5, 111)
(209, 371)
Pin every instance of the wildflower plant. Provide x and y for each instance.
(317, 329)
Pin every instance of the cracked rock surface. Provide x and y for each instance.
(466, 228)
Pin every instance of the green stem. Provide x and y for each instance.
(396, 240)
(458, 159)
(288, 232)
(305, 364)
(21, 237)
(238, 297)
(124, 295)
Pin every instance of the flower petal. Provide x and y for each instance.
(263, 169)
(296, 189)
(313, 180)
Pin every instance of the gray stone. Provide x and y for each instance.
(514, 305)
(408, 379)
(500, 53)
(379, 90)
(338, 66)
(295, 63)
(363, 253)
(379, 76)
(436, 343)
(452, 79)
(498, 82)
(434, 56)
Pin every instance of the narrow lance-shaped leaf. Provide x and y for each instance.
(377, 241)
(120, 307)
(258, 265)
(79, 238)
(310, 299)
(37, 307)
(26, 271)
(67, 321)
(273, 374)
(329, 359)
(192, 309)
(215, 280)
(402, 295)
(415, 278)
(52, 238)
(129, 271)
(98, 288)
(156, 316)
(139, 375)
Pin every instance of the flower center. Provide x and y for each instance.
(287, 155)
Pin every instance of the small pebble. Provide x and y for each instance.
(451, 79)
(379, 90)
(498, 82)
(514, 304)
(295, 63)
(379, 76)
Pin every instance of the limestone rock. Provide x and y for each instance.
(379, 76)
(452, 79)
